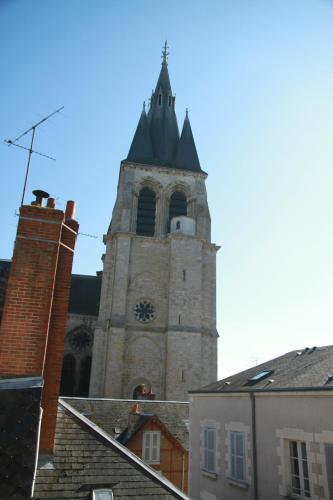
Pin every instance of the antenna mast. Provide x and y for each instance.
(33, 129)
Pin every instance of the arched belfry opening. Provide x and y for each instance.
(145, 222)
(178, 206)
(68, 375)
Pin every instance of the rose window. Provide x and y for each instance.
(144, 311)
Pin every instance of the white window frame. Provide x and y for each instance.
(236, 457)
(151, 453)
(104, 490)
(209, 450)
(301, 476)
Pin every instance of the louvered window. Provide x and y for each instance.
(151, 447)
(237, 455)
(209, 449)
(329, 468)
(145, 222)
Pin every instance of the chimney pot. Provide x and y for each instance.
(50, 203)
(70, 210)
(136, 408)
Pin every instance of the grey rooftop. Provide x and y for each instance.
(86, 458)
(306, 369)
(112, 414)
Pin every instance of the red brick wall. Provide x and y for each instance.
(27, 309)
(35, 310)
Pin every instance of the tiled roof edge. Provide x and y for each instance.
(21, 383)
(131, 456)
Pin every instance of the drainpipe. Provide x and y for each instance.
(183, 472)
(254, 444)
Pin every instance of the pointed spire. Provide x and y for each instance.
(141, 149)
(162, 117)
(156, 140)
(187, 156)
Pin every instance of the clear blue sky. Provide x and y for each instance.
(257, 77)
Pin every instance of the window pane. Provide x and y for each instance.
(211, 461)
(211, 439)
(294, 467)
(305, 469)
(240, 468)
(233, 467)
(303, 447)
(293, 449)
(239, 443)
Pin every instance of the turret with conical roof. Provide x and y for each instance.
(156, 140)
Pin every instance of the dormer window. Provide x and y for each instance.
(105, 494)
(178, 224)
(159, 99)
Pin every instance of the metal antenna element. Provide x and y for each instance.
(165, 53)
(89, 235)
(31, 129)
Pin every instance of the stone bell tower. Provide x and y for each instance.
(157, 318)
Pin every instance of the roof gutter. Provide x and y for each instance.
(273, 389)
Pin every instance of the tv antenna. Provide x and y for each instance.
(33, 130)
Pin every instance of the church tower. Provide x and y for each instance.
(157, 317)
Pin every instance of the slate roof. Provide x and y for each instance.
(86, 457)
(84, 294)
(112, 414)
(187, 155)
(156, 139)
(143, 419)
(20, 400)
(305, 369)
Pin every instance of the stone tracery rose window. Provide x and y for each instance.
(80, 338)
(144, 311)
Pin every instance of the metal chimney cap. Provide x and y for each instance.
(40, 194)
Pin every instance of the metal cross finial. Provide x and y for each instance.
(165, 52)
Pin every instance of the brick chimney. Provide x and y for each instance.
(35, 310)
(133, 417)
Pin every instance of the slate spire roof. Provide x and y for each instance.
(187, 152)
(141, 149)
(156, 140)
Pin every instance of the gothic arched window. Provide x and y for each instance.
(145, 222)
(178, 206)
(85, 368)
(68, 375)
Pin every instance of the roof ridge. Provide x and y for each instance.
(128, 400)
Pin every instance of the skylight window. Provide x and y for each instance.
(259, 376)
